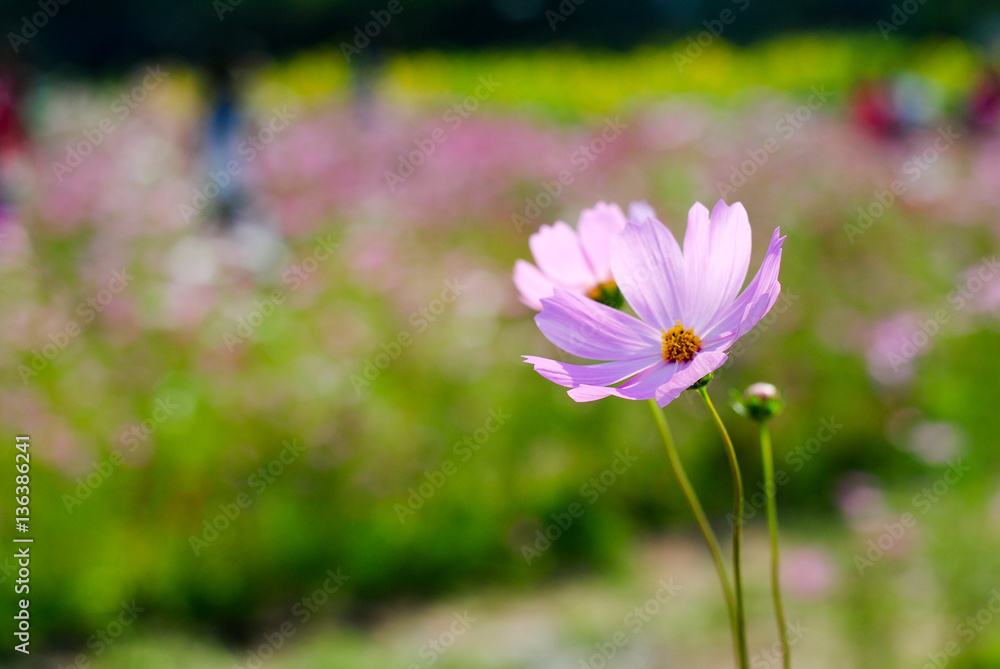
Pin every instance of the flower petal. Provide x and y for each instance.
(648, 266)
(731, 322)
(532, 284)
(689, 373)
(583, 327)
(640, 387)
(596, 226)
(601, 374)
(558, 254)
(665, 381)
(758, 310)
(717, 256)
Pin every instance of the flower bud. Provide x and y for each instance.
(702, 382)
(759, 402)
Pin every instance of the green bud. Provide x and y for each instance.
(702, 382)
(759, 402)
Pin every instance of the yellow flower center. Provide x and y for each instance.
(679, 345)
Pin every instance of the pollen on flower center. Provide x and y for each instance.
(679, 345)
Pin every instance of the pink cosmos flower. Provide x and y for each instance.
(808, 572)
(578, 261)
(689, 305)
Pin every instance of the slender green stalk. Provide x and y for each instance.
(734, 468)
(706, 529)
(772, 523)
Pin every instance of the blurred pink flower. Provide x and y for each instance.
(807, 572)
(891, 349)
(861, 501)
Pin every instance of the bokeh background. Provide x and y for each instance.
(256, 315)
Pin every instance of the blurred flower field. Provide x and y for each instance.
(337, 385)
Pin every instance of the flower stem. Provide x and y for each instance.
(706, 529)
(772, 523)
(734, 468)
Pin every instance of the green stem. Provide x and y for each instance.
(734, 468)
(706, 529)
(772, 523)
